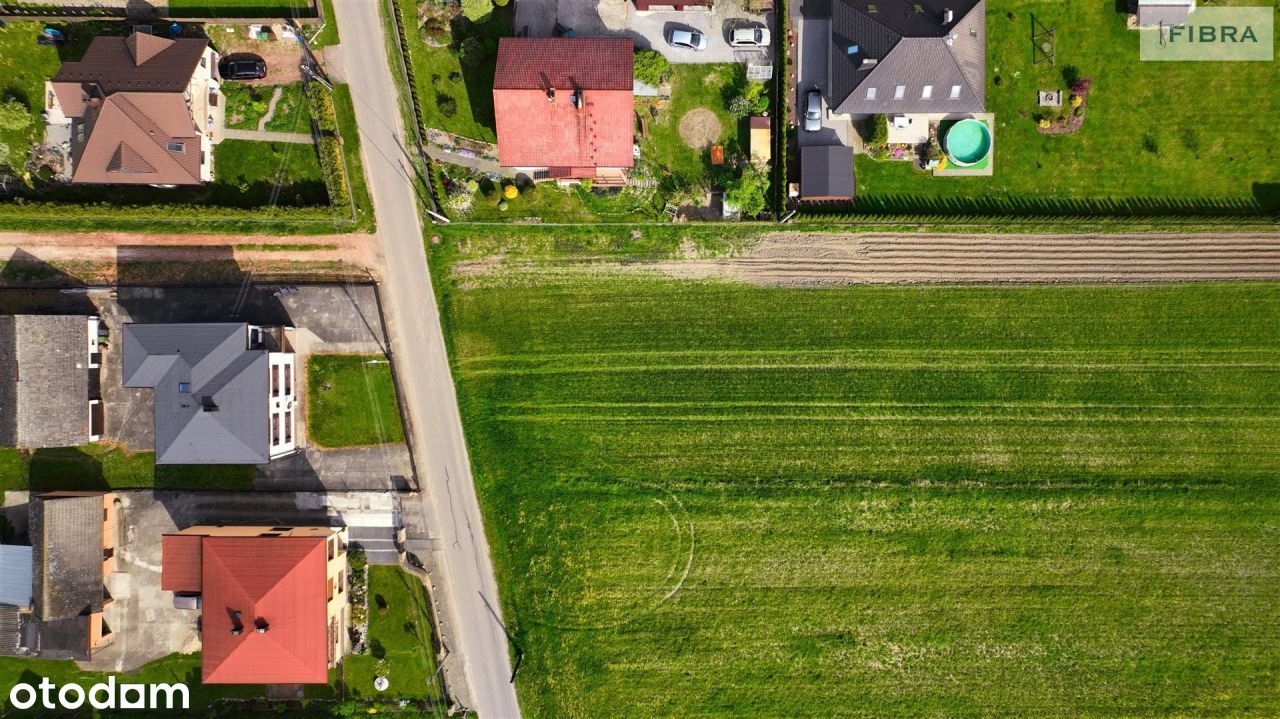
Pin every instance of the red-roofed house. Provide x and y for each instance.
(564, 108)
(273, 600)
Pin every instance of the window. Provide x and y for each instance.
(919, 7)
(955, 92)
(899, 92)
(331, 547)
(927, 92)
(176, 147)
(184, 388)
(871, 8)
(871, 93)
(341, 582)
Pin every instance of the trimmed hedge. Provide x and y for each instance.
(334, 168)
(322, 111)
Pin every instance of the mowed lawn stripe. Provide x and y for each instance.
(890, 501)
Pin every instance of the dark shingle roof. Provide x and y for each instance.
(66, 555)
(826, 172)
(44, 380)
(898, 45)
(223, 416)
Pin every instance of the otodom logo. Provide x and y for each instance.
(99, 696)
(1214, 34)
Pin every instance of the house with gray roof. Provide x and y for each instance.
(221, 395)
(908, 56)
(49, 367)
(72, 552)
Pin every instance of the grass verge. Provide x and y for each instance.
(100, 466)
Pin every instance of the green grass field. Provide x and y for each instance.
(1212, 144)
(718, 500)
(102, 466)
(399, 636)
(242, 8)
(351, 401)
(24, 66)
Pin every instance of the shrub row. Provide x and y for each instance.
(322, 110)
(334, 167)
(332, 161)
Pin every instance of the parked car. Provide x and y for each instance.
(749, 37)
(242, 66)
(813, 110)
(687, 39)
(187, 600)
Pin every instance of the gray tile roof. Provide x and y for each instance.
(826, 172)
(44, 380)
(222, 417)
(66, 555)
(10, 631)
(15, 575)
(898, 46)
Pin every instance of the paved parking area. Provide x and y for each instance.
(813, 65)
(146, 624)
(619, 18)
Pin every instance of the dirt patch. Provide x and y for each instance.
(817, 259)
(282, 56)
(699, 128)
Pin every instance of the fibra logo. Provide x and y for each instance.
(99, 696)
(1240, 34)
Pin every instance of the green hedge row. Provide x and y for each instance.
(332, 161)
(335, 171)
(322, 110)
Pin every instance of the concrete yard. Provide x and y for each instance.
(619, 18)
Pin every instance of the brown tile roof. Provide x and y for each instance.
(129, 93)
(563, 63)
(116, 65)
(180, 562)
(128, 141)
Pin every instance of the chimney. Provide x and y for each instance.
(551, 94)
(948, 16)
(260, 625)
(868, 62)
(578, 99)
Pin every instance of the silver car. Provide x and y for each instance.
(687, 39)
(749, 37)
(813, 110)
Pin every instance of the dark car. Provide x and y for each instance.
(242, 66)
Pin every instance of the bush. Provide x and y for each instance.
(14, 115)
(762, 104)
(501, 3)
(749, 192)
(1082, 85)
(322, 111)
(335, 171)
(740, 107)
(878, 129)
(447, 105)
(650, 67)
(510, 192)
(471, 54)
(490, 47)
(477, 10)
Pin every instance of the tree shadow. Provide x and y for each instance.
(1267, 195)
(69, 468)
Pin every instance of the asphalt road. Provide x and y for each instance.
(467, 591)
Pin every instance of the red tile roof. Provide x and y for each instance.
(180, 562)
(537, 128)
(280, 580)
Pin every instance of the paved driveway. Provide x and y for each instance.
(618, 18)
(814, 63)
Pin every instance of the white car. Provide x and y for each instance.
(749, 37)
(688, 39)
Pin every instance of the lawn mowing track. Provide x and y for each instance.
(714, 499)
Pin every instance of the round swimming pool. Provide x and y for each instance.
(968, 142)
